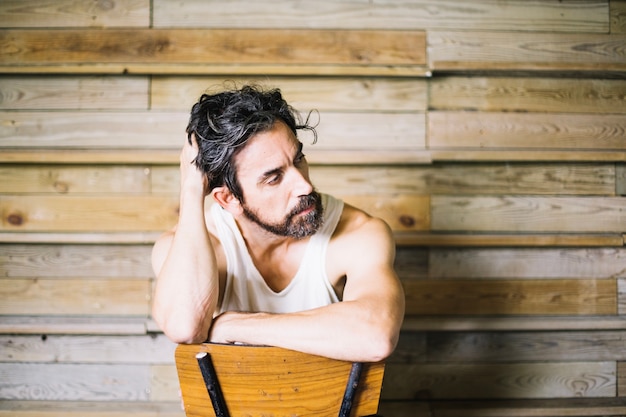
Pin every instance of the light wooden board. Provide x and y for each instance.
(485, 50)
(90, 409)
(510, 347)
(75, 260)
(110, 349)
(526, 131)
(166, 130)
(303, 93)
(578, 407)
(585, 16)
(73, 325)
(63, 179)
(542, 263)
(144, 213)
(526, 94)
(480, 380)
(112, 213)
(457, 179)
(511, 297)
(112, 297)
(70, 92)
(64, 13)
(205, 46)
(528, 214)
(74, 382)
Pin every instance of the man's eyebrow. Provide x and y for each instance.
(278, 170)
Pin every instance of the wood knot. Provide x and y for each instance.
(407, 221)
(15, 219)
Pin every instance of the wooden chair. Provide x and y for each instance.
(236, 381)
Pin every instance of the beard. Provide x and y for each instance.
(293, 225)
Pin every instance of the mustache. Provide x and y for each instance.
(305, 202)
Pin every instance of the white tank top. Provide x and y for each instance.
(246, 289)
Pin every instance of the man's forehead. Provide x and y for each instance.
(268, 147)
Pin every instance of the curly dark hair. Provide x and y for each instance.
(224, 122)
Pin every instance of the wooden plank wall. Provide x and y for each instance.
(491, 135)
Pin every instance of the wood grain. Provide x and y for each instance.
(584, 16)
(262, 381)
(528, 214)
(113, 297)
(479, 381)
(526, 94)
(511, 297)
(303, 93)
(73, 93)
(25, 47)
(526, 131)
(63, 13)
(520, 51)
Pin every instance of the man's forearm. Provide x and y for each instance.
(187, 284)
(344, 330)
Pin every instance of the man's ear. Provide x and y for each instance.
(225, 198)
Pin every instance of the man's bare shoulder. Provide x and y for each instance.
(355, 223)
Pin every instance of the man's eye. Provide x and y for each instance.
(274, 179)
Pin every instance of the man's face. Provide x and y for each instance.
(274, 176)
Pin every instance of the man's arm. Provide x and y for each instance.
(362, 327)
(187, 287)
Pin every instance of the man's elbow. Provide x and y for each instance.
(381, 346)
(181, 333)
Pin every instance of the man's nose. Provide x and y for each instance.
(302, 185)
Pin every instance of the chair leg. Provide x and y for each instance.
(351, 386)
(212, 384)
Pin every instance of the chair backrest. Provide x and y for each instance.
(270, 381)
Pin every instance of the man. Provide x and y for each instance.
(272, 262)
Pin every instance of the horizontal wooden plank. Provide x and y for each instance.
(571, 407)
(512, 323)
(145, 349)
(456, 179)
(303, 93)
(479, 381)
(57, 179)
(73, 92)
(96, 260)
(107, 130)
(74, 382)
(171, 156)
(64, 13)
(78, 325)
(117, 297)
(230, 47)
(90, 409)
(464, 179)
(113, 213)
(166, 130)
(113, 238)
(145, 213)
(544, 263)
(511, 347)
(356, 70)
(524, 155)
(526, 131)
(586, 16)
(491, 50)
(503, 239)
(511, 297)
(528, 214)
(528, 94)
